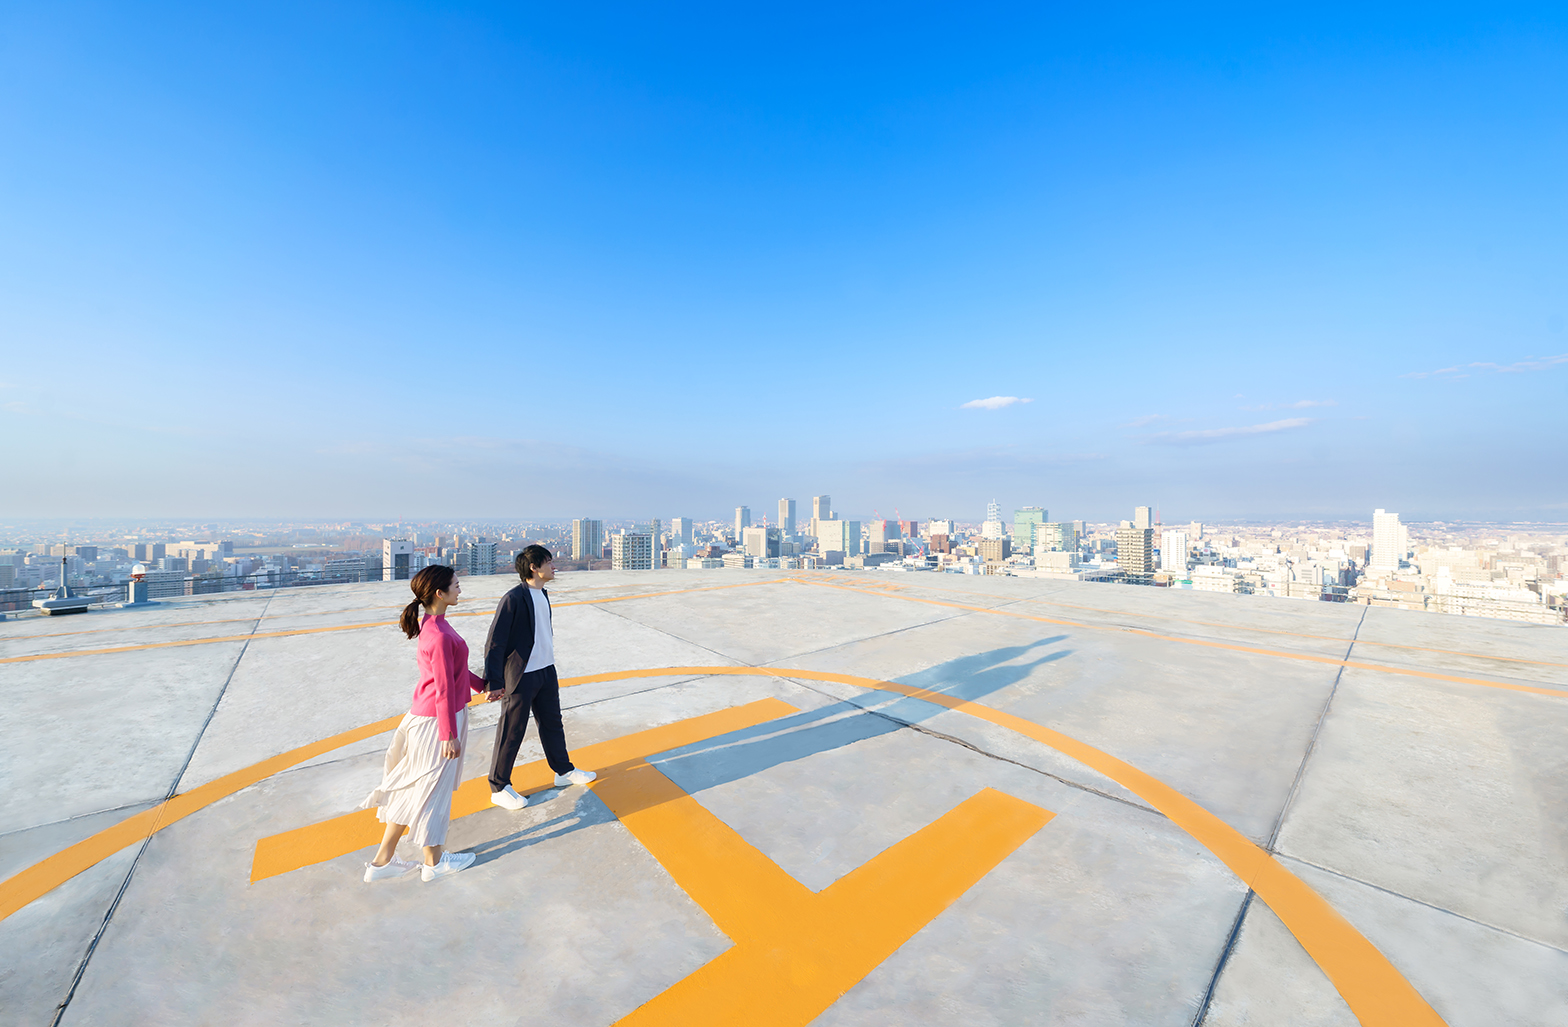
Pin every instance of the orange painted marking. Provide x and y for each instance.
(1376, 992)
(797, 952)
(1238, 627)
(44, 876)
(328, 839)
(346, 627)
(1279, 654)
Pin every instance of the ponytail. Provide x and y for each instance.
(426, 583)
(409, 622)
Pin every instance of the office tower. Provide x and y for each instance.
(1142, 518)
(1390, 543)
(761, 542)
(88, 553)
(1026, 525)
(821, 508)
(587, 540)
(1173, 552)
(680, 531)
(884, 537)
(1135, 549)
(993, 526)
(742, 520)
(787, 516)
(1195, 530)
(842, 537)
(396, 556)
(631, 551)
(1056, 538)
(936, 527)
(1078, 529)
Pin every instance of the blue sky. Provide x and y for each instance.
(504, 260)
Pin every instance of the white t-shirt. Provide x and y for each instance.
(543, 654)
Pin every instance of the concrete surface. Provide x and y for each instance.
(1426, 811)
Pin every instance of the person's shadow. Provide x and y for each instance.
(740, 754)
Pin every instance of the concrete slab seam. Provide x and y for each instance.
(1376, 992)
(92, 946)
(1404, 671)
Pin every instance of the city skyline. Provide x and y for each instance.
(370, 263)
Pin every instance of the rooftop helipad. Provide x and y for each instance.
(838, 799)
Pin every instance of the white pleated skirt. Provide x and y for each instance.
(417, 784)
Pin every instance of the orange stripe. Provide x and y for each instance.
(1376, 992)
(1238, 627)
(1332, 661)
(338, 836)
(346, 627)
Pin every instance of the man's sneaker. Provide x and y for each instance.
(574, 777)
(506, 798)
(451, 863)
(393, 868)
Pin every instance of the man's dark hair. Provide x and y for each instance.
(532, 556)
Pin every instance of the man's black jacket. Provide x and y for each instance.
(511, 639)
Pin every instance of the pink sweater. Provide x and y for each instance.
(444, 677)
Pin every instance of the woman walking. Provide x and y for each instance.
(426, 756)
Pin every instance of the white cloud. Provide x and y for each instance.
(1208, 435)
(1300, 404)
(1463, 370)
(1139, 422)
(994, 403)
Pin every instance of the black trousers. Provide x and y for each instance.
(540, 692)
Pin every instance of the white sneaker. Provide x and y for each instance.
(449, 864)
(574, 777)
(507, 798)
(393, 868)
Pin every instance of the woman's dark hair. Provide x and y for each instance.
(425, 583)
(532, 556)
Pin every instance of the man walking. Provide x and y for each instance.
(520, 671)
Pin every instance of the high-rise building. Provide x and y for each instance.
(909, 529)
(1173, 551)
(1026, 524)
(1057, 537)
(838, 537)
(654, 529)
(787, 516)
(1195, 530)
(885, 536)
(1390, 542)
(936, 527)
(680, 531)
(993, 526)
(397, 557)
(821, 508)
(587, 540)
(631, 551)
(742, 520)
(1135, 549)
(761, 542)
(1078, 529)
(479, 556)
(1142, 517)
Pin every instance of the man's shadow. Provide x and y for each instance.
(741, 754)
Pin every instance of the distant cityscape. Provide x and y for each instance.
(1511, 571)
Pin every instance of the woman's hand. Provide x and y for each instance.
(450, 750)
